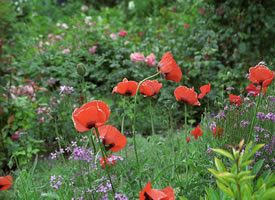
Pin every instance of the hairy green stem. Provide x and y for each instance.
(104, 156)
(255, 114)
(134, 123)
(122, 124)
(151, 114)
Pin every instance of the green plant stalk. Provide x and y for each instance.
(122, 124)
(103, 153)
(84, 89)
(58, 140)
(185, 128)
(91, 140)
(255, 114)
(134, 123)
(151, 114)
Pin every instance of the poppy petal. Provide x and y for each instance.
(186, 95)
(145, 190)
(169, 192)
(5, 182)
(169, 67)
(261, 75)
(112, 137)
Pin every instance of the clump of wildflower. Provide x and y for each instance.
(56, 181)
(120, 196)
(244, 123)
(66, 90)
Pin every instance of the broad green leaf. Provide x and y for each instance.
(246, 163)
(225, 189)
(224, 153)
(243, 173)
(254, 149)
(246, 178)
(257, 166)
(269, 194)
(247, 150)
(219, 165)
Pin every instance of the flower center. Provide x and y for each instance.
(147, 196)
(90, 124)
(128, 92)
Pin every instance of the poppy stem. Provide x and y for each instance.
(84, 90)
(255, 114)
(151, 113)
(103, 153)
(185, 118)
(122, 123)
(58, 137)
(134, 123)
(91, 139)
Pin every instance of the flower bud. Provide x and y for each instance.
(81, 69)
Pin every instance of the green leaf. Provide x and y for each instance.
(225, 189)
(246, 163)
(256, 168)
(224, 153)
(219, 165)
(254, 149)
(269, 194)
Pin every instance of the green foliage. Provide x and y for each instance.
(237, 181)
(7, 18)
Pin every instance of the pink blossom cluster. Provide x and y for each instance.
(137, 57)
(23, 90)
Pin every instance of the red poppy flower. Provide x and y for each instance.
(204, 90)
(261, 75)
(252, 89)
(169, 68)
(152, 194)
(217, 132)
(235, 99)
(196, 132)
(5, 182)
(90, 115)
(126, 87)
(113, 162)
(186, 95)
(150, 88)
(112, 138)
(188, 139)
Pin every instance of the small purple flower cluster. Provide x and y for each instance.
(66, 90)
(41, 111)
(56, 181)
(244, 123)
(268, 116)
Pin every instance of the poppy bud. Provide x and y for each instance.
(81, 69)
(15, 137)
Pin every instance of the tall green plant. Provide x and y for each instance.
(237, 181)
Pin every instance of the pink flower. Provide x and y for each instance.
(114, 36)
(150, 60)
(140, 34)
(137, 57)
(58, 37)
(107, 32)
(93, 49)
(123, 33)
(50, 35)
(40, 43)
(186, 25)
(65, 26)
(58, 24)
(84, 8)
(66, 51)
(5, 96)
(173, 10)
(202, 11)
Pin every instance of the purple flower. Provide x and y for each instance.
(244, 123)
(120, 196)
(66, 90)
(258, 153)
(56, 181)
(258, 129)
